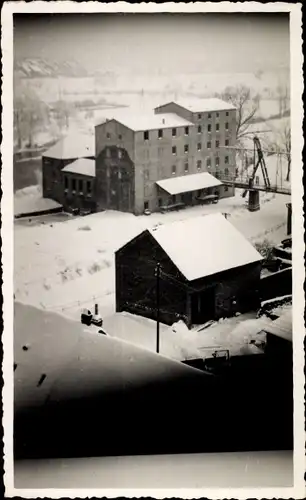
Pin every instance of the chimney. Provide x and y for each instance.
(163, 121)
(96, 309)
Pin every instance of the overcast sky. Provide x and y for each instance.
(160, 42)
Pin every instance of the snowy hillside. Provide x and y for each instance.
(37, 67)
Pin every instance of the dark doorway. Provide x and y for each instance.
(202, 306)
(187, 198)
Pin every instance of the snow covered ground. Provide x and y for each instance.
(67, 265)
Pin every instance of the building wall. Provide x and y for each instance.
(115, 169)
(78, 192)
(52, 178)
(136, 281)
(212, 155)
(154, 160)
(241, 285)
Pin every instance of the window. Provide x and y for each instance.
(226, 159)
(73, 184)
(173, 198)
(174, 132)
(146, 135)
(208, 162)
(174, 150)
(186, 167)
(146, 205)
(173, 169)
(226, 188)
(199, 192)
(208, 145)
(217, 161)
(119, 153)
(227, 113)
(209, 116)
(226, 171)
(217, 144)
(88, 187)
(186, 148)
(199, 116)
(209, 127)
(108, 135)
(160, 202)
(120, 137)
(160, 133)
(199, 165)
(199, 129)
(217, 127)
(186, 130)
(226, 126)
(66, 182)
(80, 186)
(199, 146)
(146, 174)
(217, 115)
(226, 142)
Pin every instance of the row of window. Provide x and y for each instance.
(209, 116)
(199, 147)
(146, 134)
(78, 185)
(199, 165)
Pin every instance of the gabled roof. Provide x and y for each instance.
(82, 166)
(140, 121)
(187, 183)
(76, 145)
(202, 105)
(203, 246)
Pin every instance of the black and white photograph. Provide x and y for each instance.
(153, 266)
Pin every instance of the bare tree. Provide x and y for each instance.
(283, 97)
(30, 113)
(246, 104)
(281, 144)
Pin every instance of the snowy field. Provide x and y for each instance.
(64, 265)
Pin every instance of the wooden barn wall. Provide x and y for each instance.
(241, 283)
(136, 282)
(276, 284)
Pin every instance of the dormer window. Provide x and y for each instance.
(186, 130)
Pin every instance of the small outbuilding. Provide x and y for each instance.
(208, 270)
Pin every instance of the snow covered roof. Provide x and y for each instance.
(88, 361)
(282, 326)
(141, 121)
(78, 145)
(187, 183)
(203, 105)
(206, 245)
(82, 166)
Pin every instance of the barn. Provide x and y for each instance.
(207, 270)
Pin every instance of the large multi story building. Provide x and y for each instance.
(158, 160)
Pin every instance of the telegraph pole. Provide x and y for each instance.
(157, 274)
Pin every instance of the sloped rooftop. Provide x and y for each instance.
(140, 121)
(205, 245)
(75, 145)
(203, 105)
(187, 183)
(82, 166)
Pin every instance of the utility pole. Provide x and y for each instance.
(157, 274)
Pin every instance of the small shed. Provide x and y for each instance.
(208, 270)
